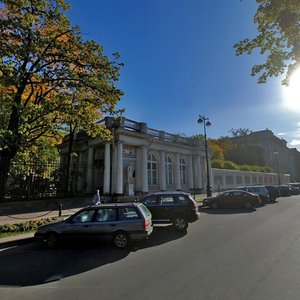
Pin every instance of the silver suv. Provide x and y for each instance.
(120, 222)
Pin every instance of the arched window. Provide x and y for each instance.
(152, 169)
(182, 167)
(169, 171)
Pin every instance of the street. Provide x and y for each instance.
(227, 254)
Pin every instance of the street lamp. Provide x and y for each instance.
(277, 164)
(205, 121)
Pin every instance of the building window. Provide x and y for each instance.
(218, 179)
(169, 170)
(239, 180)
(229, 179)
(152, 169)
(182, 167)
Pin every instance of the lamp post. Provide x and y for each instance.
(277, 164)
(205, 121)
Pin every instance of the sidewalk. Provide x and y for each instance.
(19, 218)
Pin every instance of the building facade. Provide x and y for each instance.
(137, 160)
(276, 154)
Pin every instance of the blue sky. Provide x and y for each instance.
(180, 62)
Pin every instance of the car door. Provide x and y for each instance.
(167, 207)
(237, 198)
(80, 225)
(130, 220)
(224, 200)
(105, 222)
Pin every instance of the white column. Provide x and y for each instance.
(190, 173)
(119, 175)
(162, 171)
(90, 166)
(79, 177)
(224, 180)
(199, 175)
(177, 172)
(234, 179)
(106, 179)
(144, 169)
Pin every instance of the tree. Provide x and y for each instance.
(278, 24)
(44, 62)
(216, 149)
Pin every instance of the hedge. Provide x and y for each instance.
(26, 226)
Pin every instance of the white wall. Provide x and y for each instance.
(227, 179)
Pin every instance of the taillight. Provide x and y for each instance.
(195, 205)
(146, 223)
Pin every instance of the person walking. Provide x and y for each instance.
(97, 198)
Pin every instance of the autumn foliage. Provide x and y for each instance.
(49, 77)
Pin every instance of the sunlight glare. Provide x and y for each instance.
(291, 93)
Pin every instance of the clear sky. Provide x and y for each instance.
(180, 62)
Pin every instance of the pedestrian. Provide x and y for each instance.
(96, 198)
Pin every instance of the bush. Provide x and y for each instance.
(245, 168)
(230, 165)
(26, 226)
(217, 163)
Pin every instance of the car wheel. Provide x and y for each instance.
(121, 239)
(214, 205)
(51, 240)
(180, 223)
(248, 205)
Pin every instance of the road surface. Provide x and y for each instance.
(227, 254)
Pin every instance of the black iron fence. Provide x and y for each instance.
(27, 180)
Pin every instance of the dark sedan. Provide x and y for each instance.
(234, 198)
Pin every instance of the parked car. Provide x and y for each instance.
(178, 208)
(121, 223)
(273, 191)
(294, 190)
(285, 190)
(260, 190)
(233, 198)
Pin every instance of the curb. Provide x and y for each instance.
(16, 241)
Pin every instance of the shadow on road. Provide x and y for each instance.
(33, 264)
(226, 211)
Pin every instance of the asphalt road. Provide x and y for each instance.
(227, 254)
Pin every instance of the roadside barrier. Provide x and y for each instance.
(32, 217)
(60, 209)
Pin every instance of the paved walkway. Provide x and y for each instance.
(19, 218)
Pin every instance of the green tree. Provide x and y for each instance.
(278, 25)
(44, 62)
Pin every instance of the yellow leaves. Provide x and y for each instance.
(8, 90)
(54, 31)
(63, 38)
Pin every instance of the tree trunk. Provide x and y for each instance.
(68, 167)
(5, 160)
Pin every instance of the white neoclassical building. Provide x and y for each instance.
(138, 160)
